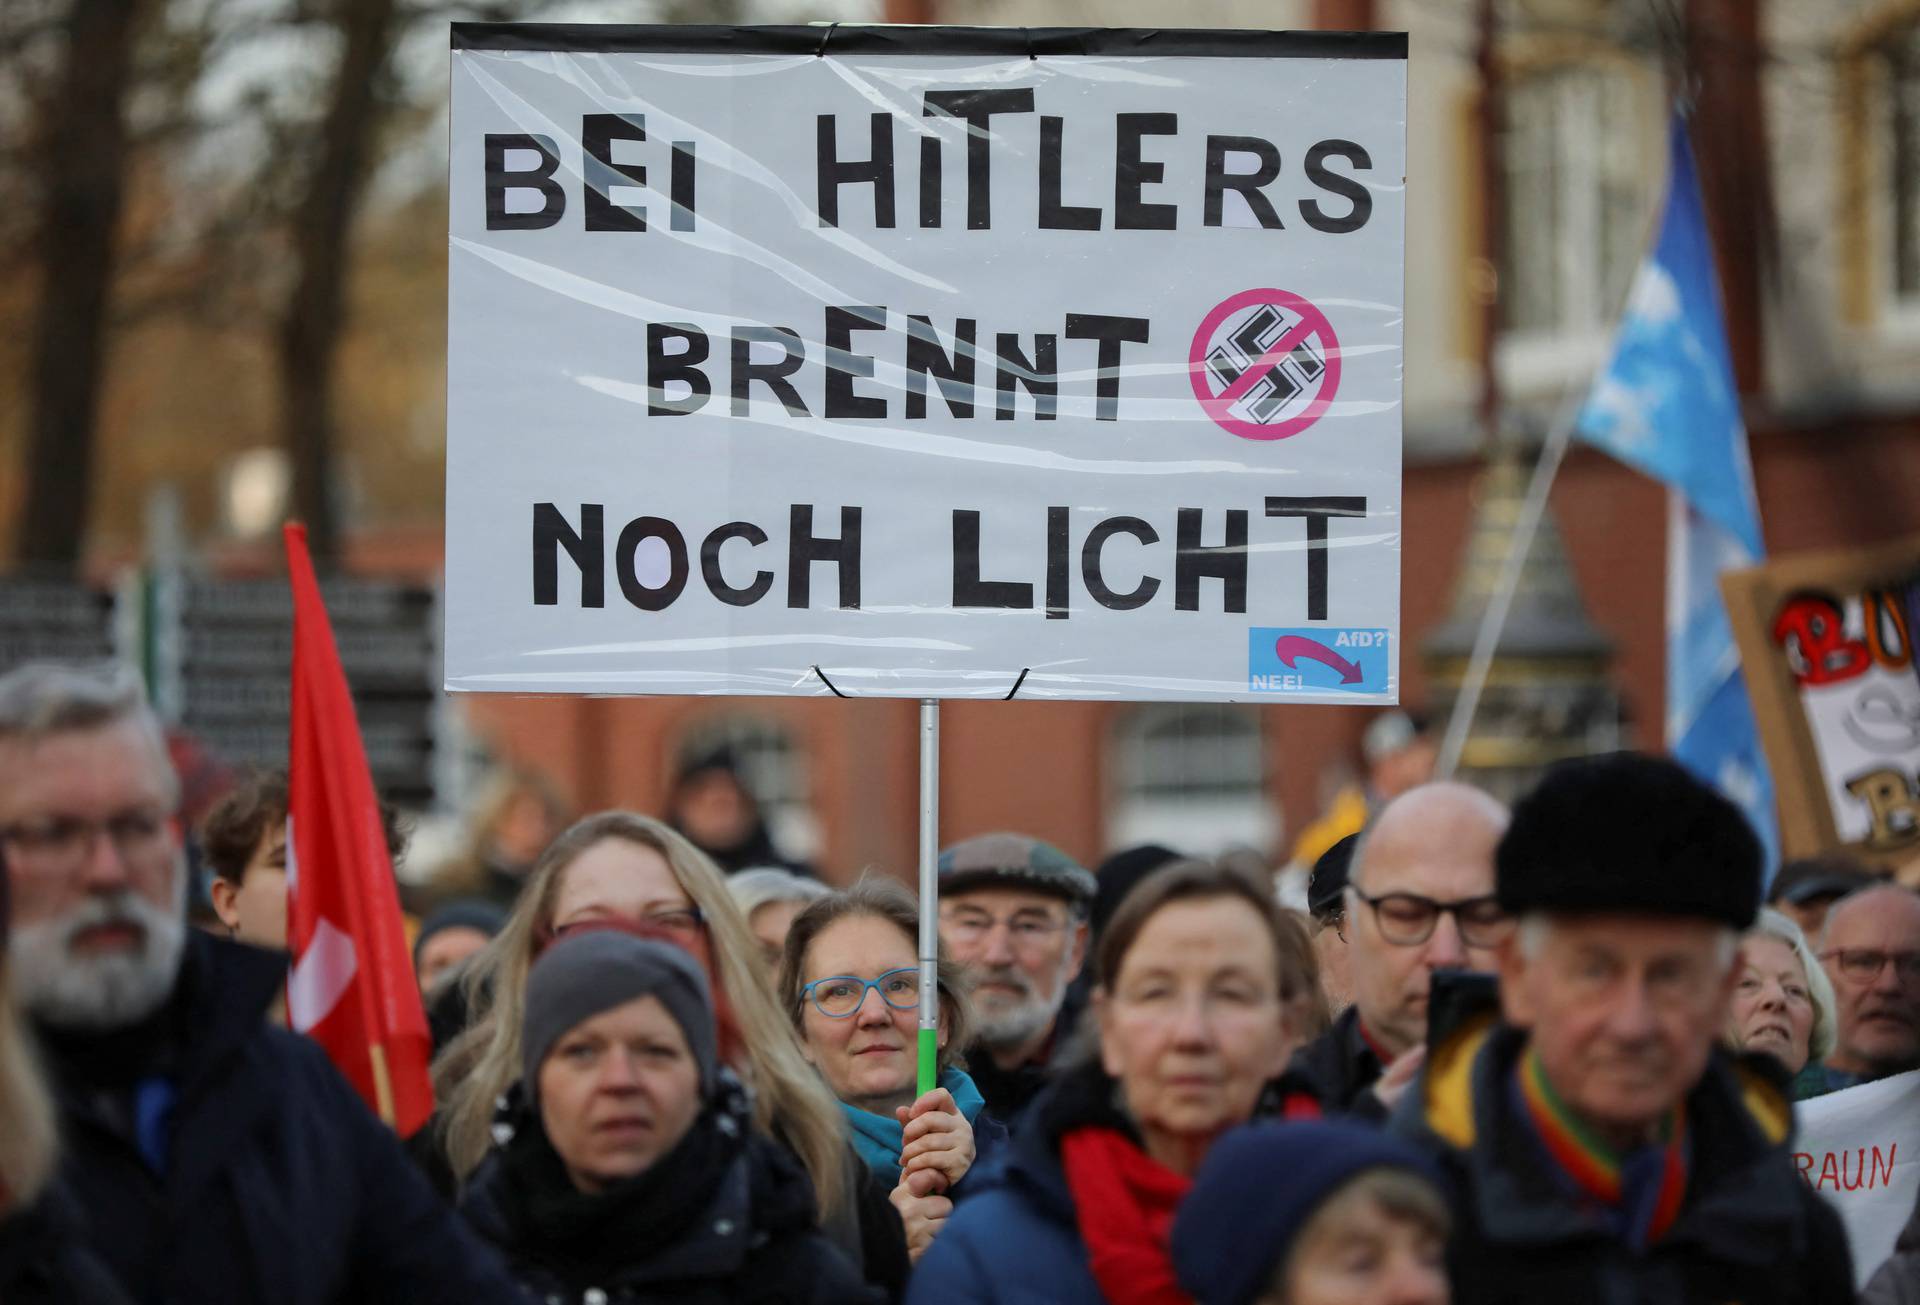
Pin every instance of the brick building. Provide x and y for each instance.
(1805, 128)
(1807, 124)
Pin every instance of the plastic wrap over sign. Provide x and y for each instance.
(925, 362)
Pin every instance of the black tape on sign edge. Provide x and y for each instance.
(871, 39)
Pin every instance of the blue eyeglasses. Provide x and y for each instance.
(840, 995)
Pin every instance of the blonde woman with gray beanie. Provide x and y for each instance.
(628, 1168)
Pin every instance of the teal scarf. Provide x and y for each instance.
(878, 1138)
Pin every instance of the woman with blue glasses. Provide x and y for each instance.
(850, 978)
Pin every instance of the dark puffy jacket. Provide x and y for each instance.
(1016, 1238)
(744, 1235)
(279, 1185)
(1749, 1230)
(991, 1143)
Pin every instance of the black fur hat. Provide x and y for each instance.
(1630, 833)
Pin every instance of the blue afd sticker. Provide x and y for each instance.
(1316, 661)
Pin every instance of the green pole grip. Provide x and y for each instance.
(929, 1061)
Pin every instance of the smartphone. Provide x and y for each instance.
(1456, 997)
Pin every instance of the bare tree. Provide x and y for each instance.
(315, 317)
(83, 137)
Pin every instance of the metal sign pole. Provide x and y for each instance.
(929, 893)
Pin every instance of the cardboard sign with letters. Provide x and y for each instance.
(1826, 644)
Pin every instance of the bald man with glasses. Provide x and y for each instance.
(1419, 898)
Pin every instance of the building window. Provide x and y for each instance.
(1192, 778)
(1574, 162)
(1899, 56)
(774, 770)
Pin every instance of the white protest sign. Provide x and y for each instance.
(915, 361)
(1860, 1149)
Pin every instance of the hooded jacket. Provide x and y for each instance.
(1748, 1229)
(276, 1184)
(727, 1219)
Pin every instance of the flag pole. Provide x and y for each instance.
(1553, 450)
(382, 1084)
(1492, 621)
(929, 894)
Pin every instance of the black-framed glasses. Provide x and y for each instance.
(1863, 964)
(64, 841)
(1335, 920)
(1408, 919)
(840, 995)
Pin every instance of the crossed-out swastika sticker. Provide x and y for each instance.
(1265, 364)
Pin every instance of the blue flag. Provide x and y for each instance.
(1667, 405)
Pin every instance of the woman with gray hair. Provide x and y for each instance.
(770, 898)
(1782, 1000)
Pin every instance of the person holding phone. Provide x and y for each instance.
(1418, 898)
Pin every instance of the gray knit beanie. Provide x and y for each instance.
(581, 976)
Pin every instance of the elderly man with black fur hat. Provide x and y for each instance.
(1605, 1148)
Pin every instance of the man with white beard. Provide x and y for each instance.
(215, 1158)
(1013, 911)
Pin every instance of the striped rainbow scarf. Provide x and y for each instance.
(1642, 1191)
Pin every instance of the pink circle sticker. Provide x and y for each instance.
(1264, 364)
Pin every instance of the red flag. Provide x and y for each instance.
(352, 987)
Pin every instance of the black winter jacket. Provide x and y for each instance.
(44, 1261)
(728, 1219)
(1008, 1092)
(1016, 1239)
(278, 1184)
(1749, 1230)
(1336, 1070)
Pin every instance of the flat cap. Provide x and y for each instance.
(1014, 861)
(1632, 834)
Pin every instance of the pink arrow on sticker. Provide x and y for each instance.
(1289, 647)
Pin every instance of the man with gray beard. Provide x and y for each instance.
(214, 1158)
(1013, 911)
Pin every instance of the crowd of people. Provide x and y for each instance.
(1503, 1057)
